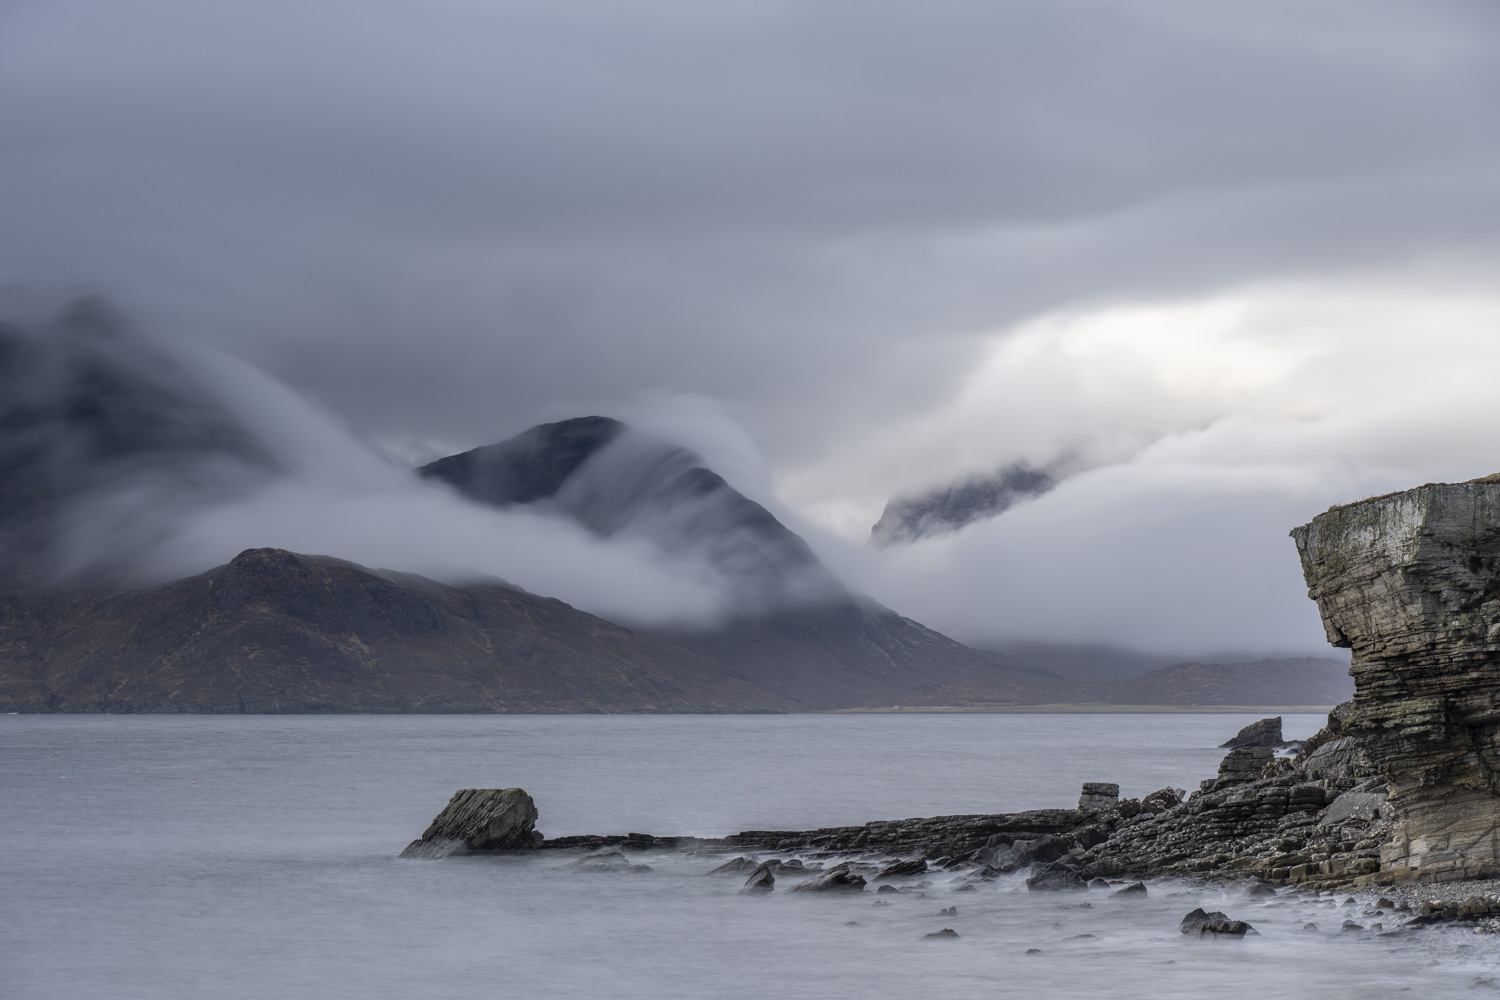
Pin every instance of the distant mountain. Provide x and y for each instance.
(615, 481)
(273, 631)
(936, 512)
(91, 412)
(795, 629)
(1083, 663)
(1301, 681)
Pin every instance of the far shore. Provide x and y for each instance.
(1088, 708)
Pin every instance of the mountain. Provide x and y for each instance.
(1300, 681)
(939, 511)
(273, 631)
(102, 437)
(793, 628)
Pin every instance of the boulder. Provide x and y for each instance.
(1133, 889)
(479, 819)
(947, 933)
(608, 861)
(760, 880)
(900, 869)
(1213, 925)
(735, 866)
(1098, 796)
(1265, 733)
(839, 878)
(1058, 875)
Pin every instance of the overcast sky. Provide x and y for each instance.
(1241, 258)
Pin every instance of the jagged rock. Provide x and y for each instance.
(1213, 925)
(946, 933)
(760, 880)
(479, 819)
(735, 866)
(1265, 733)
(1134, 889)
(1098, 796)
(1409, 583)
(839, 878)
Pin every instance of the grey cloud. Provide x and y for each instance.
(447, 220)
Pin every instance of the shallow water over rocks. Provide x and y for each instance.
(251, 857)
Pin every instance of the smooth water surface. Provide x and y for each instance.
(255, 857)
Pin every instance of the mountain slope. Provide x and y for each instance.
(793, 628)
(273, 631)
(1300, 681)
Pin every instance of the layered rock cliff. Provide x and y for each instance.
(1410, 582)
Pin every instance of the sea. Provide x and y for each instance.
(255, 857)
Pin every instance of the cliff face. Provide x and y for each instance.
(1410, 582)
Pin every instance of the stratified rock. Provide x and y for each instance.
(1133, 889)
(1213, 925)
(1265, 733)
(609, 862)
(900, 869)
(479, 819)
(1098, 796)
(1409, 582)
(734, 866)
(839, 878)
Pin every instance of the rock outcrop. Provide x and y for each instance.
(480, 819)
(1410, 582)
(1265, 733)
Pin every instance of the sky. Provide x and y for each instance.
(1235, 260)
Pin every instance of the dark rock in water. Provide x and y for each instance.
(900, 869)
(839, 878)
(1059, 875)
(887, 888)
(479, 819)
(760, 880)
(966, 888)
(609, 861)
(1213, 924)
(948, 911)
(1098, 883)
(1133, 889)
(1309, 926)
(1098, 796)
(1033, 951)
(735, 866)
(1265, 733)
(946, 932)
(1350, 925)
(1259, 889)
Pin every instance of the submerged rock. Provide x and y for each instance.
(1058, 875)
(479, 819)
(735, 866)
(839, 878)
(1213, 924)
(947, 933)
(760, 880)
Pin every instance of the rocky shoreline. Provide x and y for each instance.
(1397, 796)
(1279, 816)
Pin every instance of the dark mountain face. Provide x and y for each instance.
(615, 481)
(273, 631)
(943, 510)
(92, 419)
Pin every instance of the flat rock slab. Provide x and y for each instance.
(479, 819)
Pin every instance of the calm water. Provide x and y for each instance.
(255, 857)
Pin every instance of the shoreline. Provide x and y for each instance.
(1065, 708)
